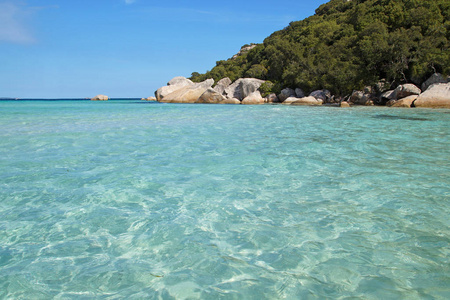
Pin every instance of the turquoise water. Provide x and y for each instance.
(112, 200)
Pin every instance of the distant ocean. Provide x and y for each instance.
(142, 200)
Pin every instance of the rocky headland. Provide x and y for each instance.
(367, 52)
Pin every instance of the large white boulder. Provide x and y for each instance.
(436, 96)
(173, 85)
(254, 98)
(182, 91)
(164, 91)
(184, 95)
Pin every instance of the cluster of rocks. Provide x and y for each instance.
(290, 96)
(435, 92)
(183, 90)
(242, 91)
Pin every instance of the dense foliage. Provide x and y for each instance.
(348, 44)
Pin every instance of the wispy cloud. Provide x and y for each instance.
(13, 27)
(129, 1)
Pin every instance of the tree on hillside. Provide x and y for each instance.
(350, 44)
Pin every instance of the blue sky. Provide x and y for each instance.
(126, 48)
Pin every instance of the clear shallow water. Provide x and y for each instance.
(118, 199)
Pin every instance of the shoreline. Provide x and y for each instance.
(434, 93)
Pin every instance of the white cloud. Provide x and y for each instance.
(13, 27)
(130, 1)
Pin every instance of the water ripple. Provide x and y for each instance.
(120, 200)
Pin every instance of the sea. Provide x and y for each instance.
(129, 199)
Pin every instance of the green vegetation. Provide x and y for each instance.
(349, 44)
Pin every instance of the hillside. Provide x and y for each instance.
(348, 44)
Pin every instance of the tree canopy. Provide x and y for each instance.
(348, 44)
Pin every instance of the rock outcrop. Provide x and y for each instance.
(164, 91)
(272, 98)
(243, 87)
(404, 102)
(289, 100)
(286, 93)
(323, 95)
(360, 98)
(222, 84)
(357, 97)
(310, 100)
(390, 97)
(204, 84)
(100, 98)
(386, 96)
(435, 78)
(254, 98)
(299, 93)
(210, 96)
(174, 84)
(188, 94)
(405, 90)
(246, 91)
(231, 101)
(436, 96)
(182, 90)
